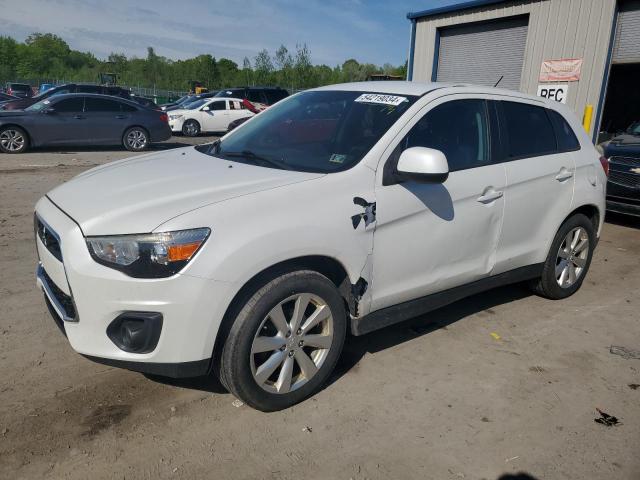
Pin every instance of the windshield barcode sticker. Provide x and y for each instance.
(380, 99)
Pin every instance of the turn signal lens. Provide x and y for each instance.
(604, 161)
(177, 253)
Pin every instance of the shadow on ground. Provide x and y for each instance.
(356, 347)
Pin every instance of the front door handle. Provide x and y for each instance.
(121, 117)
(79, 117)
(490, 195)
(564, 174)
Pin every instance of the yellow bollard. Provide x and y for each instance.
(586, 119)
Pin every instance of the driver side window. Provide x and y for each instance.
(458, 128)
(220, 105)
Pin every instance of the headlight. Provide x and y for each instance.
(175, 117)
(152, 255)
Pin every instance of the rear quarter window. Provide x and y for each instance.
(567, 140)
(529, 130)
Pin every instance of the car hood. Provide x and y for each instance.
(179, 111)
(624, 144)
(139, 194)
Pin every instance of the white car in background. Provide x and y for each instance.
(207, 115)
(347, 207)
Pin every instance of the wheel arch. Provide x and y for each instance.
(30, 137)
(592, 212)
(328, 266)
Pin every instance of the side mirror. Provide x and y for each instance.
(206, 109)
(49, 110)
(424, 165)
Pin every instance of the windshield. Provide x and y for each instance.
(634, 129)
(195, 104)
(316, 131)
(36, 107)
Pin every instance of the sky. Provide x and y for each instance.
(374, 31)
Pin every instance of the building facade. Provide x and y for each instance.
(506, 42)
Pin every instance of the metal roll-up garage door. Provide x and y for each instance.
(480, 53)
(626, 48)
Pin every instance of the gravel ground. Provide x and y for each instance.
(501, 385)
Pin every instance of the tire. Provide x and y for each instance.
(135, 139)
(299, 368)
(191, 128)
(13, 140)
(568, 260)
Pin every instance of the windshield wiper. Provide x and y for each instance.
(249, 155)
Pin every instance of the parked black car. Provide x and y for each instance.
(79, 119)
(22, 90)
(67, 88)
(263, 95)
(623, 154)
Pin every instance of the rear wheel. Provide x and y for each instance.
(136, 139)
(13, 140)
(191, 128)
(285, 341)
(568, 260)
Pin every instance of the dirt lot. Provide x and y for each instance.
(499, 384)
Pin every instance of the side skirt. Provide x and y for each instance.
(404, 311)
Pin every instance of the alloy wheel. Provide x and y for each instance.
(292, 343)
(191, 128)
(137, 139)
(572, 257)
(12, 140)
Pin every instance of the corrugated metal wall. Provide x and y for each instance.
(557, 29)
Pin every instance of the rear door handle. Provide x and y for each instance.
(79, 117)
(490, 195)
(564, 174)
(121, 117)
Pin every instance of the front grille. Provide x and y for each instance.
(48, 237)
(62, 298)
(625, 161)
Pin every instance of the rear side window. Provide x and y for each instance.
(101, 105)
(257, 96)
(567, 140)
(88, 89)
(274, 96)
(69, 105)
(459, 129)
(529, 130)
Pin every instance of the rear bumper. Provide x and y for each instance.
(161, 134)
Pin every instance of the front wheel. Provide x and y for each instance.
(135, 139)
(568, 260)
(285, 342)
(191, 128)
(13, 140)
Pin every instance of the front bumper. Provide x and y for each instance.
(176, 125)
(85, 297)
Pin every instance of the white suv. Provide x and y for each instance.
(348, 207)
(207, 115)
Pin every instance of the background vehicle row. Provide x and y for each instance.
(76, 119)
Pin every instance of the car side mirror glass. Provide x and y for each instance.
(424, 165)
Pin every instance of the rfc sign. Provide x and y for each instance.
(554, 92)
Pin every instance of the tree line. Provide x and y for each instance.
(46, 57)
